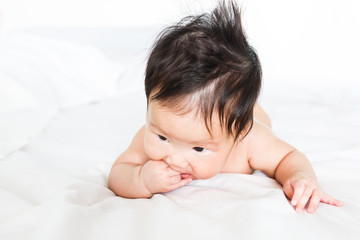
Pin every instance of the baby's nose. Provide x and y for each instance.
(176, 161)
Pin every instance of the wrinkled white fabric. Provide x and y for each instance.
(40, 76)
(56, 186)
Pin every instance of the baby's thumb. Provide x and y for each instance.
(288, 190)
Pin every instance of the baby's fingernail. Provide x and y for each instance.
(293, 202)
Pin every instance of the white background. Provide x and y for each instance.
(308, 39)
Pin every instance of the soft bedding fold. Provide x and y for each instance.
(53, 181)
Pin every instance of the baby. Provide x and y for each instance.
(202, 83)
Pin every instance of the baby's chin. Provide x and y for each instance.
(188, 175)
(203, 176)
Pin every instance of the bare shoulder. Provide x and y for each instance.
(264, 149)
(135, 153)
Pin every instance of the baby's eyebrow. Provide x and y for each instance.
(155, 126)
(158, 128)
(205, 143)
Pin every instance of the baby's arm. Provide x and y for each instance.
(124, 178)
(288, 166)
(133, 175)
(296, 175)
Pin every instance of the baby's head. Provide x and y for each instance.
(204, 63)
(202, 81)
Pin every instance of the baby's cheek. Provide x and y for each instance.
(206, 173)
(153, 150)
(207, 169)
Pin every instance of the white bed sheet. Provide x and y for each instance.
(56, 186)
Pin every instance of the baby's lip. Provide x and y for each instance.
(185, 175)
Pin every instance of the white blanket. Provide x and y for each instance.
(54, 185)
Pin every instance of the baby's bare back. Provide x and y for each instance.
(260, 149)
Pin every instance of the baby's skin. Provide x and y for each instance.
(174, 148)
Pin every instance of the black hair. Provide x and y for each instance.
(207, 60)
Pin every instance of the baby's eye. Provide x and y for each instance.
(199, 149)
(162, 138)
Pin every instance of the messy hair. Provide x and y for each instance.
(207, 61)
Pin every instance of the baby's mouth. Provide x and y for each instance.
(185, 175)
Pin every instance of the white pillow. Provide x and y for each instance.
(39, 76)
(57, 73)
(21, 116)
(13, 95)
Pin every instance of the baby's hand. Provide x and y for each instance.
(301, 191)
(159, 177)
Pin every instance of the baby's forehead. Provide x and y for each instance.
(184, 115)
(206, 104)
